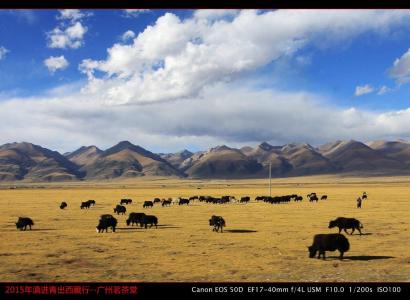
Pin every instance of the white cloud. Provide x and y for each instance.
(176, 58)
(190, 80)
(225, 114)
(364, 89)
(133, 13)
(72, 14)
(213, 14)
(3, 52)
(71, 34)
(401, 68)
(70, 37)
(383, 90)
(129, 34)
(54, 63)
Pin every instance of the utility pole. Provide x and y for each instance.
(270, 179)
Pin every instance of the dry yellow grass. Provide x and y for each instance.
(267, 242)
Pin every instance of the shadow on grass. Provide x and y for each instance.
(362, 257)
(135, 228)
(42, 229)
(240, 231)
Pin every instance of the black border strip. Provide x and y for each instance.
(194, 4)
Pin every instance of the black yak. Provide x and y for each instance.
(328, 242)
(148, 204)
(22, 223)
(134, 218)
(120, 209)
(146, 219)
(217, 222)
(105, 222)
(346, 223)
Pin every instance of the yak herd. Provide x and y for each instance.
(321, 242)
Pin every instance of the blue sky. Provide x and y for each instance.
(352, 64)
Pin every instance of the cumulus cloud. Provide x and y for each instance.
(54, 63)
(183, 83)
(133, 13)
(225, 115)
(129, 34)
(174, 58)
(363, 90)
(3, 52)
(68, 34)
(72, 14)
(400, 70)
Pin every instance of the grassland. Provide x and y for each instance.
(262, 242)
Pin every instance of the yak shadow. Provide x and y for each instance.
(135, 228)
(363, 257)
(240, 231)
(42, 229)
(166, 226)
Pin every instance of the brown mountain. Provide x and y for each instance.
(305, 159)
(25, 161)
(84, 155)
(176, 159)
(31, 162)
(397, 150)
(352, 156)
(128, 160)
(266, 154)
(223, 162)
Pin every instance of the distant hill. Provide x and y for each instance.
(176, 159)
(128, 160)
(356, 156)
(84, 155)
(224, 162)
(29, 162)
(397, 150)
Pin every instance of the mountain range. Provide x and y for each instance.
(29, 162)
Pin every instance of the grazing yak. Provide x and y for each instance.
(166, 202)
(85, 205)
(63, 205)
(298, 198)
(328, 242)
(125, 201)
(245, 199)
(324, 197)
(22, 223)
(120, 209)
(346, 223)
(148, 204)
(183, 201)
(217, 222)
(105, 222)
(147, 219)
(134, 218)
(91, 202)
(156, 200)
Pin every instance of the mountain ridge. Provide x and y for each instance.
(30, 162)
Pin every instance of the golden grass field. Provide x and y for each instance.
(262, 242)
